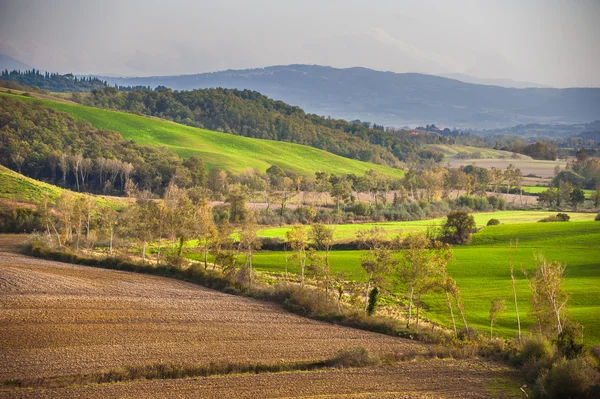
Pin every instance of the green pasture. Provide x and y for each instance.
(222, 150)
(345, 232)
(482, 272)
(540, 189)
(19, 188)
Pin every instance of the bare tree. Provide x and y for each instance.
(322, 236)
(84, 169)
(297, 239)
(548, 298)
(249, 242)
(63, 165)
(498, 306)
(76, 164)
(511, 261)
(18, 161)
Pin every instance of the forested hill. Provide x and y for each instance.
(396, 99)
(251, 114)
(52, 81)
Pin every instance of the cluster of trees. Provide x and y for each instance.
(53, 81)
(249, 113)
(52, 146)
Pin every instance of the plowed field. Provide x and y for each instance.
(58, 319)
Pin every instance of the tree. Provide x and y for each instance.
(249, 242)
(341, 192)
(511, 261)
(416, 269)
(576, 197)
(548, 298)
(204, 229)
(236, 198)
(18, 161)
(376, 258)
(458, 227)
(297, 239)
(322, 236)
(498, 306)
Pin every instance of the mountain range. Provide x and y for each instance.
(395, 99)
(391, 99)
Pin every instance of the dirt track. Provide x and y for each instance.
(58, 319)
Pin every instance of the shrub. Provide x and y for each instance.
(597, 218)
(566, 379)
(354, 357)
(559, 217)
(372, 301)
(493, 222)
(535, 356)
(459, 227)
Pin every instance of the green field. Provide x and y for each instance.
(19, 188)
(226, 151)
(539, 189)
(481, 271)
(348, 231)
(452, 151)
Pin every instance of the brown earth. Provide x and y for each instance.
(58, 320)
(417, 379)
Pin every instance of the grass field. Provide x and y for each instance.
(539, 189)
(19, 188)
(226, 151)
(348, 231)
(481, 271)
(452, 151)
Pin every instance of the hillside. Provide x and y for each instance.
(225, 151)
(15, 187)
(395, 99)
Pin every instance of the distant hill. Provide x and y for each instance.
(510, 83)
(8, 62)
(395, 99)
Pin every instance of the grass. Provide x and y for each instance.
(19, 188)
(540, 189)
(348, 231)
(226, 151)
(481, 271)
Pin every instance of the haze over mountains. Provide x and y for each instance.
(395, 99)
(391, 99)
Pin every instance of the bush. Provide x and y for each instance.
(354, 357)
(535, 356)
(493, 222)
(597, 218)
(559, 217)
(566, 379)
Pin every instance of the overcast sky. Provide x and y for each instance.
(544, 41)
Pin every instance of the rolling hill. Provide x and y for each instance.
(395, 99)
(222, 150)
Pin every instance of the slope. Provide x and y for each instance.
(225, 151)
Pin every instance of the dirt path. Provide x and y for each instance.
(58, 319)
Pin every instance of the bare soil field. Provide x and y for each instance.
(422, 379)
(61, 320)
(544, 169)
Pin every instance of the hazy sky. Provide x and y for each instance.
(544, 41)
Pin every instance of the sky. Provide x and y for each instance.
(551, 42)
